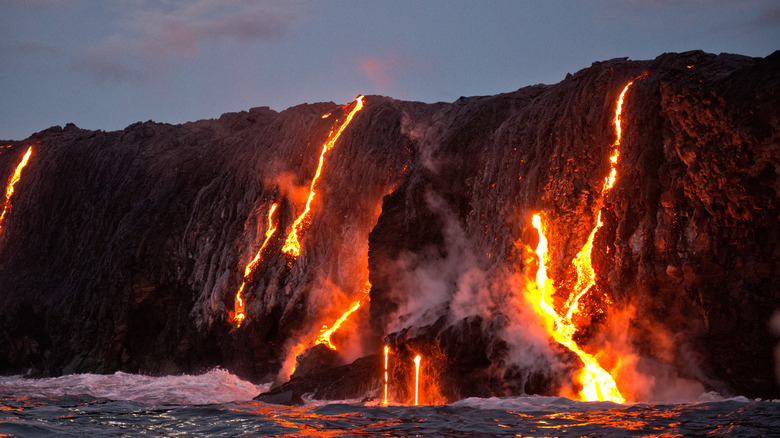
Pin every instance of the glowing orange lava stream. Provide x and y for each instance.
(416, 376)
(324, 337)
(9, 191)
(289, 365)
(597, 383)
(238, 314)
(292, 246)
(387, 350)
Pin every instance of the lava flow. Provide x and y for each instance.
(292, 245)
(238, 315)
(324, 337)
(416, 376)
(387, 350)
(289, 365)
(597, 383)
(9, 191)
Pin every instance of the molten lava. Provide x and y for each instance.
(416, 376)
(387, 350)
(324, 337)
(9, 191)
(292, 245)
(596, 382)
(238, 314)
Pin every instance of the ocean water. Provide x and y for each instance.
(220, 404)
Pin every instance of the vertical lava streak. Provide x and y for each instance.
(416, 376)
(387, 350)
(292, 246)
(238, 314)
(9, 190)
(597, 383)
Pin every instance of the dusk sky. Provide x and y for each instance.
(105, 64)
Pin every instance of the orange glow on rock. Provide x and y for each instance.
(238, 315)
(9, 190)
(292, 245)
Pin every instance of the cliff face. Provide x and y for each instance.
(125, 250)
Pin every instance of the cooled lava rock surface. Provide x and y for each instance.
(124, 250)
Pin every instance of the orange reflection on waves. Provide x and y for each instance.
(303, 421)
(292, 245)
(9, 190)
(238, 315)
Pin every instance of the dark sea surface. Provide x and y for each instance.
(219, 404)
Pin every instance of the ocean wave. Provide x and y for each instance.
(215, 386)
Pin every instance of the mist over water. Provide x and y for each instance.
(218, 403)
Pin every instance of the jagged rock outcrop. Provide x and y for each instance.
(124, 250)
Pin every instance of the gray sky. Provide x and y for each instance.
(104, 64)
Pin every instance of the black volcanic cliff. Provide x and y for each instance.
(124, 250)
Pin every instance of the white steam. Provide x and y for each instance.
(429, 285)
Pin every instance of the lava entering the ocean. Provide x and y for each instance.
(238, 315)
(597, 384)
(292, 245)
(387, 351)
(416, 376)
(9, 191)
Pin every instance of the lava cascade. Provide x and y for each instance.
(292, 245)
(416, 377)
(238, 315)
(324, 337)
(387, 352)
(9, 191)
(596, 382)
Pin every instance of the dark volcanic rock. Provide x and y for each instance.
(356, 380)
(124, 250)
(287, 398)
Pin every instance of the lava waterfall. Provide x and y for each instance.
(613, 236)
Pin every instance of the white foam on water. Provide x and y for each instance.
(562, 404)
(215, 386)
(533, 403)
